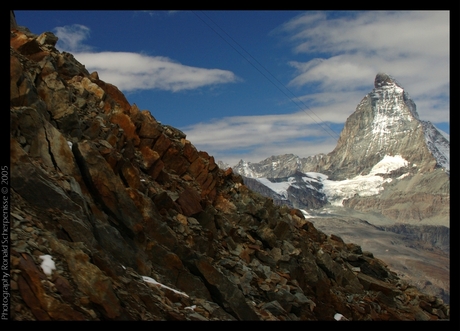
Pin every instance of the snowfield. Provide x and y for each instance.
(337, 191)
(280, 188)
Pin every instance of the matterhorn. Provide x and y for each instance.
(386, 123)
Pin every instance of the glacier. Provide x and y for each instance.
(337, 191)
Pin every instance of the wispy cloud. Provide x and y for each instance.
(133, 71)
(257, 137)
(391, 34)
(71, 37)
(152, 13)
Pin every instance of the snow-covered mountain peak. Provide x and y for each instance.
(389, 97)
(385, 123)
(386, 162)
(244, 168)
(389, 106)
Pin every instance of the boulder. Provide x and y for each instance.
(189, 200)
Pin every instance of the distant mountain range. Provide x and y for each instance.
(384, 151)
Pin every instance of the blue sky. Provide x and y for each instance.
(252, 84)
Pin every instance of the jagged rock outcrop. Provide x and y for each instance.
(142, 226)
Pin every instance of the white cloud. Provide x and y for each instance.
(245, 131)
(133, 71)
(390, 33)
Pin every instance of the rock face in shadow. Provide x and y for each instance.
(142, 226)
(436, 236)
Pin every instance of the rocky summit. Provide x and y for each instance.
(117, 217)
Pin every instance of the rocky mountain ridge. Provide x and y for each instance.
(140, 225)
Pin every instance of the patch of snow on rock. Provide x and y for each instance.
(340, 317)
(153, 281)
(47, 265)
(388, 164)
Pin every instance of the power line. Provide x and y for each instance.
(333, 135)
